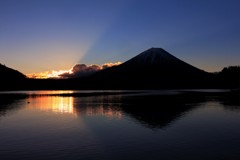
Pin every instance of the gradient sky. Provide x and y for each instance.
(43, 35)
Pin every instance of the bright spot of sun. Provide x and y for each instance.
(55, 74)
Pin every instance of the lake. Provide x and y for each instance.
(116, 125)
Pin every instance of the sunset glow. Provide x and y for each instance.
(74, 70)
(48, 74)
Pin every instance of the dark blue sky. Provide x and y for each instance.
(40, 35)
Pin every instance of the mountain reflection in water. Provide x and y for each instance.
(153, 111)
(119, 126)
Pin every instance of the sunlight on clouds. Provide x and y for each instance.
(48, 74)
(78, 70)
(55, 74)
(110, 64)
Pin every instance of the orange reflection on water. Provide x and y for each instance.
(52, 104)
(89, 106)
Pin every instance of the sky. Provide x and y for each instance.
(45, 35)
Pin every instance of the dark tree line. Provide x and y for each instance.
(230, 76)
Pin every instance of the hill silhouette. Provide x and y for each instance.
(9, 73)
(153, 68)
(11, 79)
(229, 77)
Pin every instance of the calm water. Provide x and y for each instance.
(124, 126)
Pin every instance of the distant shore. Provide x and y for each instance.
(87, 93)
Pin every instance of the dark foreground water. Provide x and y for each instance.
(124, 126)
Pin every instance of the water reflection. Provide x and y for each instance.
(159, 111)
(52, 104)
(152, 111)
(100, 110)
(89, 106)
(230, 103)
(119, 127)
(11, 104)
(107, 106)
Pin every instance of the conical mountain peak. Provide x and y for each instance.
(153, 68)
(154, 56)
(154, 53)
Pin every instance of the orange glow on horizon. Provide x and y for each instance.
(49, 74)
(56, 74)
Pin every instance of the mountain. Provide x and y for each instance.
(11, 79)
(153, 68)
(10, 74)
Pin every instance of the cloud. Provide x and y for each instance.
(83, 70)
(79, 70)
(42, 75)
(48, 74)
(107, 65)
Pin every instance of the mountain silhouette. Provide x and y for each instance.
(11, 79)
(10, 74)
(153, 68)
